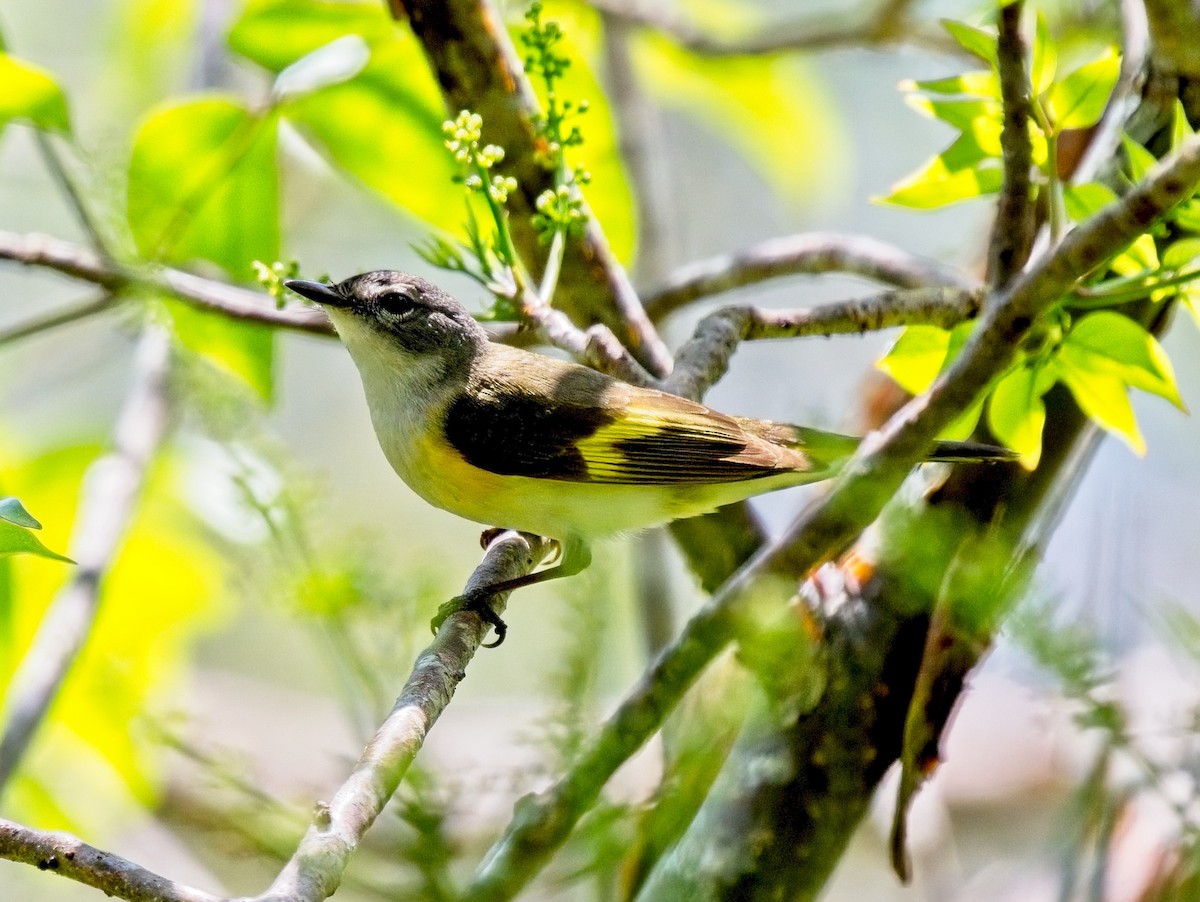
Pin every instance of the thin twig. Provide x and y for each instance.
(597, 346)
(113, 485)
(54, 320)
(872, 476)
(74, 197)
(76, 860)
(888, 25)
(210, 294)
(807, 253)
(1013, 230)
(316, 868)
(705, 358)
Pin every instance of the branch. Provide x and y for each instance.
(54, 320)
(207, 294)
(76, 860)
(1013, 230)
(887, 26)
(315, 870)
(872, 476)
(113, 485)
(807, 253)
(477, 68)
(702, 362)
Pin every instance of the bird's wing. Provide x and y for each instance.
(583, 427)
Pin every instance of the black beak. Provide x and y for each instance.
(315, 291)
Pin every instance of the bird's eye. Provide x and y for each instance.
(397, 301)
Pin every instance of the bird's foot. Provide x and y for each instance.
(480, 603)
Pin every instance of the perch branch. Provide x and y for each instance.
(315, 870)
(544, 821)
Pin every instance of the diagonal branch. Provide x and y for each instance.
(315, 870)
(543, 822)
(808, 253)
(208, 294)
(113, 485)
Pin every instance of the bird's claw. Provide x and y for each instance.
(480, 603)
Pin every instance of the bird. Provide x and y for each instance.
(508, 437)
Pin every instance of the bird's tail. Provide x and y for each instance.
(970, 452)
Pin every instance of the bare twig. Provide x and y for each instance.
(315, 870)
(112, 487)
(67, 185)
(705, 358)
(597, 346)
(888, 25)
(54, 320)
(872, 476)
(808, 253)
(76, 860)
(1013, 230)
(210, 294)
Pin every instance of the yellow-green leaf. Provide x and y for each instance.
(1104, 397)
(29, 93)
(1017, 415)
(973, 40)
(916, 358)
(14, 511)
(19, 540)
(984, 84)
(1078, 101)
(1107, 342)
(243, 350)
(203, 184)
(1045, 57)
(1084, 201)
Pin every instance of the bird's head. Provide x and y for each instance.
(387, 312)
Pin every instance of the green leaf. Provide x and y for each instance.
(18, 540)
(1107, 342)
(1084, 201)
(1179, 254)
(1045, 57)
(1104, 397)
(973, 40)
(1187, 215)
(1181, 129)
(1140, 257)
(938, 186)
(203, 184)
(1138, 160)
(243, 350)
(916, 358)
(1017, 415)
(1078, 101)
(14, 512)
(984, 84)
(29, 93)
